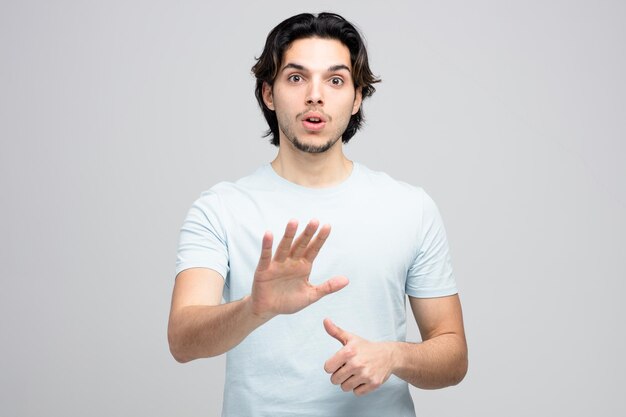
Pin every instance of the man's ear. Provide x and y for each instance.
(268, 97)
(358, 99)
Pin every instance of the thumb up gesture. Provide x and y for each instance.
(359, 366)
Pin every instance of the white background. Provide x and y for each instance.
(115, 115)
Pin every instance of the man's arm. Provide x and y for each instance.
(200, 326)
(440, 360)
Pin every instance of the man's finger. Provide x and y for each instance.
(332, 285)
(316, 245)
(363, 389)
(303, 240)
(335, 363)
(341, 375)
(282, 251)
(336, 331)
(266, 252)
(352, 383)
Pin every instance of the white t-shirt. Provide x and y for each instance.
(387, 237)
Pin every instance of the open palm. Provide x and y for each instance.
(281, 284)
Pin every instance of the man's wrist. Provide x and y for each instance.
(257, 316)
(399, 356)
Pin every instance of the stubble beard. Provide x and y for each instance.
(287, 129)
(309, 148)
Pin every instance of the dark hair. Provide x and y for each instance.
(307, 25)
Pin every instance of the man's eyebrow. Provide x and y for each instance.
(294, 66)
(333, 68)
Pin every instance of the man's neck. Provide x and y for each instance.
(313, 170)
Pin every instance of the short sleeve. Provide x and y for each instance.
(202, 242)
(430, 275)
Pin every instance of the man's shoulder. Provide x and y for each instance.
(384, 181)
(257, 180)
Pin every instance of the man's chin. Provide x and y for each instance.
(313, 147)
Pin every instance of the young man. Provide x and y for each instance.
(286, 355)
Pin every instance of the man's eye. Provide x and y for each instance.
(295, 78)
(336, 81)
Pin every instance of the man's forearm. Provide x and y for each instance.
(203, 331)
(435, 363)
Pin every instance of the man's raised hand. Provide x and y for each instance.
(281, 283)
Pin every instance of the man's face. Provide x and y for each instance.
(313, 94)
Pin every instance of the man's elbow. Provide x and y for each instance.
(176, 343)
(460, 371)
(184, 347)
(176, 350)
(179, 356)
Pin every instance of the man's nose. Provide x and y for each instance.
(314, 96)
